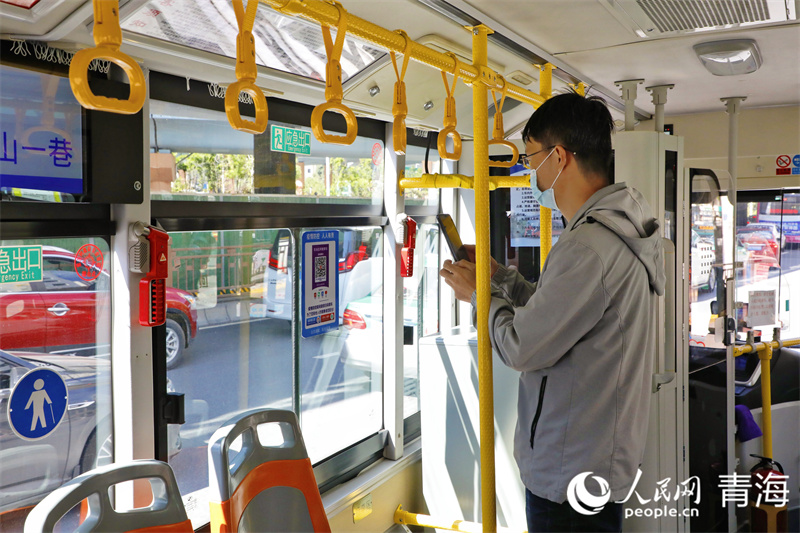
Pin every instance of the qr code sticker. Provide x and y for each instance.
(320, 269)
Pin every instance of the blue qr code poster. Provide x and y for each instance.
(319, 282)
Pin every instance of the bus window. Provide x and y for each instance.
(55, 315)
(197, 157)
(216, 337)
(768, 252)
(341, 371)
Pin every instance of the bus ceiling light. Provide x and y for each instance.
(729, 58)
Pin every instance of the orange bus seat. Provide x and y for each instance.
(259, 485)
(165, 514)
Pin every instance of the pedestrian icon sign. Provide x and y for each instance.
(37, 404)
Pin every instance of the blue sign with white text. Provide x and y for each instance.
(319, 282)
(796, 161)
(41, 133)
(37, 404)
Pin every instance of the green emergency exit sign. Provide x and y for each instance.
(290, 140)
(20, 263)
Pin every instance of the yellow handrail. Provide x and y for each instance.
(444, 181)
(764, 350)
(327, 14)
(423, 520)
(107, 39)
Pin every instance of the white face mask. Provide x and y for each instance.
(546, 198)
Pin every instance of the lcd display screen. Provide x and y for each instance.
(41, 133)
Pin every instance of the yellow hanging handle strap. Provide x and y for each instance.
(333, 86)
(499, 132)
(400, 105)
(246, 73)
(49, 90)
(450, 118)
(107, 40)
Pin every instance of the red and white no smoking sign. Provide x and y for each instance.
(783, 161)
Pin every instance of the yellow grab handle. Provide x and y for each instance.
(400, 105)
(441, 144)
(107, 38)
(450, 120)
(235, 119)
(499, 132)
(333, 86)
(246, 73)
(349, 117)
(514, 154)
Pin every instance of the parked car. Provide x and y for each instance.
(65, 313)
(29, 470)
(761, 243)
(771, 231)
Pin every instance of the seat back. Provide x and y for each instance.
(165, 514)
(265, 481)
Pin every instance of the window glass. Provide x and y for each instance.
(229, 340)
(420, 310)
(341, 371)
(55, 317)
(196, 155)
(415, 167)
(711, 254)
(289, 44)
(768, 256)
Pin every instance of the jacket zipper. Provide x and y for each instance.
(538, 409)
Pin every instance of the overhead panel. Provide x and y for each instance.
(657, 18)
(288, 44)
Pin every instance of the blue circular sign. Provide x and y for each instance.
(796, 160)
(37, 404)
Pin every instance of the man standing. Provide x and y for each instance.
(582, 337)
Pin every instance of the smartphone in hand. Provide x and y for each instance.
(452, 237)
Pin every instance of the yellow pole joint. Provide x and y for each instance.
(545, 213)
(765, 356)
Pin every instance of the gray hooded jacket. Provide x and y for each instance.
(584, 341)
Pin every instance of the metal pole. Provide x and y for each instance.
(480, 113)
(659, 94)
(629, 97)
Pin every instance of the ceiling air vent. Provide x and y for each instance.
(656, 18)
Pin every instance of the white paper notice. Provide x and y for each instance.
(761, 308)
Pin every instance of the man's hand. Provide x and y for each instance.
(470, 248)
(461, 278)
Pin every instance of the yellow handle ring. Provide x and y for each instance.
(349, 117)
(514, 154)
(78, 80)
(256, 126)
(441, 143)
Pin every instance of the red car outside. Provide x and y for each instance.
(65, 313)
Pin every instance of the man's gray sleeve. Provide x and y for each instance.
(556, 316)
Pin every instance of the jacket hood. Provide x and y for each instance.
(624, 211)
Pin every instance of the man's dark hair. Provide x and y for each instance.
(580, 124)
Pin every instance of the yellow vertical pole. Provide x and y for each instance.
(765, 356)
(545, 213)
(480, 114)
